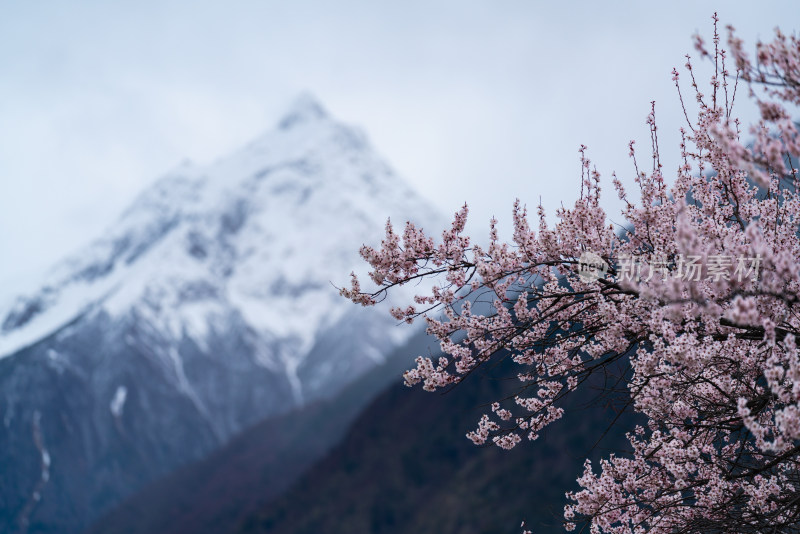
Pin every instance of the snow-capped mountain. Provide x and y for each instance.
(209, 305)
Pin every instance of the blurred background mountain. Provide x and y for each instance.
(404, 465)
(206, 308)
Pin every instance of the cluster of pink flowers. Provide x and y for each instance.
(714, 365)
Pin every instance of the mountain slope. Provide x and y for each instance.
(405, 466)
(204, 309)
(220, 491)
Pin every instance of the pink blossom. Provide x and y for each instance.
(700, 300)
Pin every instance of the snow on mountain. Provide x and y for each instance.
(265, 231)
(208, 305)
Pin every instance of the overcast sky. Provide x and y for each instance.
(477, 101)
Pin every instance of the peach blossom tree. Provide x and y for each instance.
(698, 297)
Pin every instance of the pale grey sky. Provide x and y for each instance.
(477, 101)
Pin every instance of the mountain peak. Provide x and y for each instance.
(205, 308)
(304, 109)
(217, 224)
